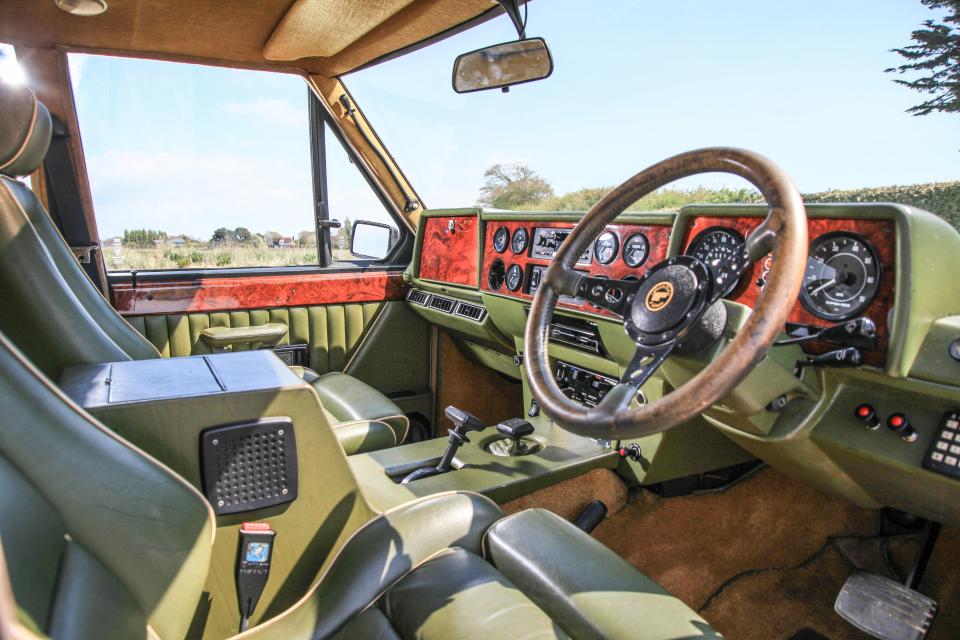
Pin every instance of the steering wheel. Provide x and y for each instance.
(676, 305)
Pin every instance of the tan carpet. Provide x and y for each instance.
(693, 544)
(569, 498)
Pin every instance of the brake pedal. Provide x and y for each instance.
(885, 609)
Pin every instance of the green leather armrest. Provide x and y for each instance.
(362, 436)
(267, 335)
(589, 590)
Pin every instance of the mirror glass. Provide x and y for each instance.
(371, 239)
(502, 65)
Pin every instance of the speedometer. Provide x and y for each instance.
(719, 249)
(842, 276)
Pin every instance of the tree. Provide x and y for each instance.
(221, 236)
(242, 234)
(143, 237)
(936, 53)
(342, 237)
(271, 238)
(307, 238)
(509, 186)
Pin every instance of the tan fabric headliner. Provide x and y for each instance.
(341, 34)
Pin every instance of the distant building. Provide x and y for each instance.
(285, 242)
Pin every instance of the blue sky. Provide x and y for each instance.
(189, 149)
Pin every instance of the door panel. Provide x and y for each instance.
(356, 322)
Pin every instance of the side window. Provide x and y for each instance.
(350, 201)
(196, 167)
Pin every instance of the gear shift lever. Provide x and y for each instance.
(463, 423)
(515, 429)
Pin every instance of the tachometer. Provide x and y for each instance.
(500, 239)
(606, 247)
(514, 277)
(842, 277)
(520, 239)
(718, 248)
(636, 250)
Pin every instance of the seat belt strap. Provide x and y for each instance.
(63, 196)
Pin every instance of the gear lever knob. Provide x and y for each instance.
(515, 428)
(463, 422)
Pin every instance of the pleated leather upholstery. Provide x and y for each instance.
(332, 332)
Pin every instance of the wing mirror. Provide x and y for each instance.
(502, 65)
(372, 240)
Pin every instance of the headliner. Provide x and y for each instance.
(260, 33)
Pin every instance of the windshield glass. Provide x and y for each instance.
(804, 84)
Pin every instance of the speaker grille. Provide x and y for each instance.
(249, 466)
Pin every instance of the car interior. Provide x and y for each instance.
(736, 420)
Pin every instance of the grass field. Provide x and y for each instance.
(202, 257)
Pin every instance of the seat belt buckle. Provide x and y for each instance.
(253, 566)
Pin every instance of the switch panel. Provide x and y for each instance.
(944, 453)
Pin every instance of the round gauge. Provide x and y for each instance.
(520, 239)
(496, 275)
(514, 277)
(500, 239)
(842, 277)
(606, 247)
(718, 248)
(636, 250)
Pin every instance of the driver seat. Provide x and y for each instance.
(100, 540)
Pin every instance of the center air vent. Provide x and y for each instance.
(416, 296)
(442, 304)
(472, 311)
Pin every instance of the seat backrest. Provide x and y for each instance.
(100, 540)
(51, 309)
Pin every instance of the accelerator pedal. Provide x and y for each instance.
(884, 608)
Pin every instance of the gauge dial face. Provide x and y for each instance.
(520, 239)
(500, 240)
(718, 248)
(606, 247)
(514, 277)
(842, 276)
(636, 250)
(497, 274)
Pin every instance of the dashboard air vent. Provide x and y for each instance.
(472, 311)
(416, 296)
(442, 304)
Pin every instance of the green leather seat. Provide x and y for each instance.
(102, 541)
(58, 317)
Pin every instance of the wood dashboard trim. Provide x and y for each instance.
(255, 292)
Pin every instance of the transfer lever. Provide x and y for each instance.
(463, 423)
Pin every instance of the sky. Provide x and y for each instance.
(187, 149)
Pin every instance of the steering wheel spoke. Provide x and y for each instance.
(613, 295)
(645, 362)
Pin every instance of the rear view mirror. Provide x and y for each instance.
(502, 65)
(372, 240)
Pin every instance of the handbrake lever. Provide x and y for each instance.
(463, 423)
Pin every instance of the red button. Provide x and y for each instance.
(863, 411)
(252, 527)
(896, 421)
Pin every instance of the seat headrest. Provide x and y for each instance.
(25, 130)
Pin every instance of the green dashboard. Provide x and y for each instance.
(882, 279)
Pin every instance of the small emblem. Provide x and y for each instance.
(659, 297)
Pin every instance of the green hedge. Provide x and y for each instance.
(941, 198)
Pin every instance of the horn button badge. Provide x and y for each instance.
(666, 299)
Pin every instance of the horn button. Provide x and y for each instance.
(670, 296)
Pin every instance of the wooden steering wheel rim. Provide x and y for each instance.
(785, 229)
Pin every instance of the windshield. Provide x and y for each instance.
(637, 82)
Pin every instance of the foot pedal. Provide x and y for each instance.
(885, 609)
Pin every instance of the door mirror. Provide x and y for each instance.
(372, 240)
(502, 65)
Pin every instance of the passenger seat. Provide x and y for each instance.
(58, 317)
